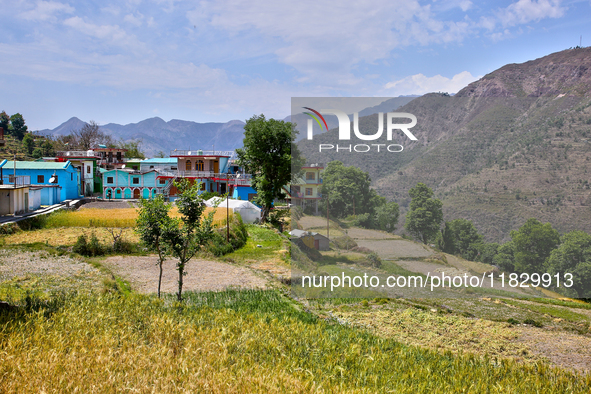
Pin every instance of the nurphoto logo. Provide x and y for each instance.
(344, 124)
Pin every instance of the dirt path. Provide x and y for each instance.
(202, 275)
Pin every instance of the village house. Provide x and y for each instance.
(306, 191)
(128, 184)
(58, 181)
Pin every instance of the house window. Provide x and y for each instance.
(162, 181)
(308, 191)
(188, 165)
(151, 167)
(173, 168)
(203, 186)
(135, 180)
(199, 165)
(109, 179)
(88, 169)
(310, 176)
(40, 179)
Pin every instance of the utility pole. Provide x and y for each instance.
(353, 204)
(327, 220)
(14, 163)
(228, 204)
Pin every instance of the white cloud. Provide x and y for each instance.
(46, 11)
(525, 11)
(421, 84)
(324, 41)
(135, 20)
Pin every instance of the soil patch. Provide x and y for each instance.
(202, 275)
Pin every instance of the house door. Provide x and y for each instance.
(316, 244)
(216, 167)
(26, 202)
(136, 193)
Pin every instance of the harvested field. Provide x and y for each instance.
(66, 236)
(202, 275)
(42, 271)
(395, 248)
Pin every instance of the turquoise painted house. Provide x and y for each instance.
(58, 181)
(128, 184)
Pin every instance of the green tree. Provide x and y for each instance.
(268, 154)
(29, 143)
(446, 240)
(186, 236)
(37, 153)
(17, 126)
(533, 243)
(468, 242)
(424, 218)
(47, 148)
(387, 216)
(133, 149)
(573, 256)
(347, 191)
(151, 224)
(5, 122)
(505, 257)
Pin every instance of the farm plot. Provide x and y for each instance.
(202, 275)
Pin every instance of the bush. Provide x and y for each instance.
(345, 242)
(89, 249)
(372, 260)
(218, 245)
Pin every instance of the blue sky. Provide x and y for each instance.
(125, 61)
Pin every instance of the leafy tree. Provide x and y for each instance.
(533, 243)
(387, 216)
(37, 153)
(505, 257)
(5, 122)
(29, 143)
(17, 126)
(186, 236)
(347, 191)
(425, 215)
(151, 224)
(446, 240)
(468, 242)
(268, 154)
(47, 148)
(133, 148)
(488, 252)
(573, 256)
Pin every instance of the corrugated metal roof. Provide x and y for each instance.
(36, 165)
(161, 160)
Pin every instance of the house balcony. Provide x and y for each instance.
(233, 179)
(19, 180)
(76, 153)
(198, 152)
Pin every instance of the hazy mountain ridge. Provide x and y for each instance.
(158, 135)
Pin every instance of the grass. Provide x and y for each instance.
(263, 244)
(248, 341)
(65, 236)
(554, 311)
(126, 217)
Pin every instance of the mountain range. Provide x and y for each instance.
(160, 136)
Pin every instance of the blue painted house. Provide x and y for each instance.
(58, 181)
(128, 184)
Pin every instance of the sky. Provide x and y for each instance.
(215, 61)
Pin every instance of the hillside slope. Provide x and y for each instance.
(512, 145)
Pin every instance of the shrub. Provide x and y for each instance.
(81, 246)
(218, 245)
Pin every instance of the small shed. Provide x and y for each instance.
(311, 239)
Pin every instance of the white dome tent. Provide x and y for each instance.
(249, 212)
